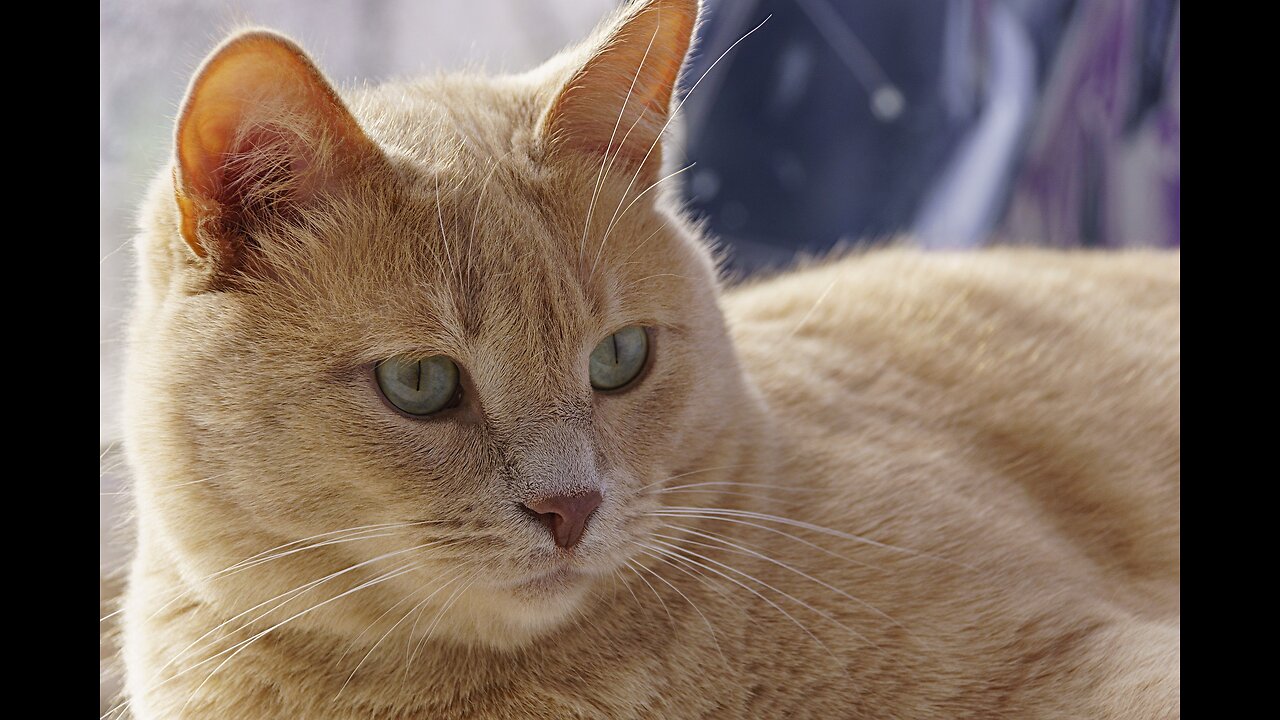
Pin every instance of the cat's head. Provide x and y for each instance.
(367, 325)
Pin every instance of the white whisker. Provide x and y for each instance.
(821, 613)
(696, 472)
(455, 578)
(240, 647)
(354, 534)
(766, 528)
(618, 217)
(807, 315)
(617, 573)
(294, 594)
(787, 488)
(448, 603)
(656, 594)
(586, 224)
(484, 188)
(747, 550)
(819, 529)
(683, 552)
(676, 112)
(696, 609)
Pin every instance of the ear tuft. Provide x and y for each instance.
(260, 132)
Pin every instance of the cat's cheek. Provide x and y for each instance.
(411, 465)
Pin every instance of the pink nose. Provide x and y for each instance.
(566, 517)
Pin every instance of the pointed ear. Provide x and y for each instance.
(619, 101)
(260, 133)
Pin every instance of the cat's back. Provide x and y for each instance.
(1023, 322)
(1041, 385)
(963, 319)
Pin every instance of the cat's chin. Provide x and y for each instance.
(516, 614)
(549, 584)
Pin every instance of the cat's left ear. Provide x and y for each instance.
(619, 100)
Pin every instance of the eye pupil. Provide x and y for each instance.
(619, 359)
(419, 387)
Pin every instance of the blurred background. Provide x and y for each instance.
(957, 123)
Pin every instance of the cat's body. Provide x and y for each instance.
(894, 485)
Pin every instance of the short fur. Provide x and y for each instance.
(893, 485)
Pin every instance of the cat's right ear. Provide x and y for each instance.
(261, 132)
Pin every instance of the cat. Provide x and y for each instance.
(437, 408)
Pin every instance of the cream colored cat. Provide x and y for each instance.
(437, 410)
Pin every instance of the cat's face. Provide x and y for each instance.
(476, 220)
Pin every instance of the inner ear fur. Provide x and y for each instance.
(260, 133)
(619, 101)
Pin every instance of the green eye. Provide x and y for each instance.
(619, 358)
(419, 387)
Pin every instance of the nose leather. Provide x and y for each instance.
(566, 516)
